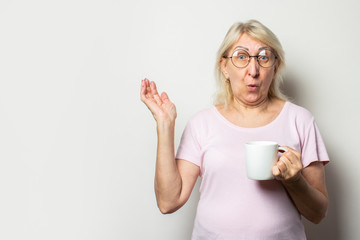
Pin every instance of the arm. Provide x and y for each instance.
(174, 180)
(306, 187)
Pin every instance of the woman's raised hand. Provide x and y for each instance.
(160, 106)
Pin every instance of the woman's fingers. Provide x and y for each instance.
(155, 93)
(276, 172)
(164, 97)
(149, 91)
(283, 164)
(145, 88)
(293, 151)
(142, 90)
(148, 88)
(282, 167)
(288, 166)
(160, 106)
(147, 96)
(294, 158)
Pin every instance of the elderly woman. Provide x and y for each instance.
(249, 107)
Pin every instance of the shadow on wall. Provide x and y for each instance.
(329, 228)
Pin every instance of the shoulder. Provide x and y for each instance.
(203, 115)
(203, 121)
(298, 112)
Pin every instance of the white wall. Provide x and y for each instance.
(77, 147)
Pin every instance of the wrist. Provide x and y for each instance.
(165, 124)
(293, 182)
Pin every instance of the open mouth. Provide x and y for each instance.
(252, 87)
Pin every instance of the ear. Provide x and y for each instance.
(223, 62)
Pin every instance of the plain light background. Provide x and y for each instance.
(77, 147)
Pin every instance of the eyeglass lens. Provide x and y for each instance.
(265, 58)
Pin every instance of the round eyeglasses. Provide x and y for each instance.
(241, 58)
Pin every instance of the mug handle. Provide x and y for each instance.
(282, 149)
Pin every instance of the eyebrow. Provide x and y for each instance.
(241, 47)
(261, 48)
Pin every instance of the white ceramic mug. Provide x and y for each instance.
(260, 157)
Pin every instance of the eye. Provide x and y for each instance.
(263, 58)
(264, 55)
(241, 57)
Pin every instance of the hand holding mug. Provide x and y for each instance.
(288, 167)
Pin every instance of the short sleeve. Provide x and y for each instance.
(189, 147)
(312, 146)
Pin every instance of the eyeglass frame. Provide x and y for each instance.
(254, 56)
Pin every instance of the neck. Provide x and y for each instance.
(242, 107)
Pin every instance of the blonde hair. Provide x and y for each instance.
(259, 32)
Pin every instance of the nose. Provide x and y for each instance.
(253, 67)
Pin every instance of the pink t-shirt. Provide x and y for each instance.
(231, 206)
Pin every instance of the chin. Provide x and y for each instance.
(255, 100)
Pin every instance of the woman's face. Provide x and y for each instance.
(250, 85)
